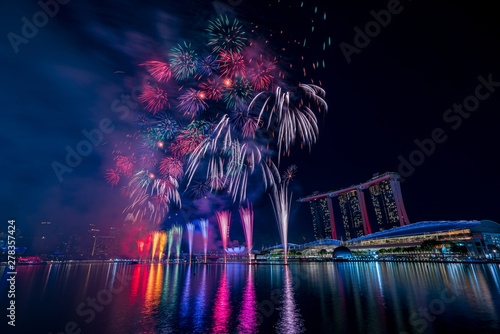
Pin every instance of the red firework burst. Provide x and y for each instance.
(232, 64)
(112, 176)
(159, 70)
(212, 89)
(171, 166)
(155, 99)
(260, 76)
(187, 142)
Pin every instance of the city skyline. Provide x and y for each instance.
(265, 166)
(35, 193)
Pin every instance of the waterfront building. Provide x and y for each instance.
(372, 206)
(482, 238)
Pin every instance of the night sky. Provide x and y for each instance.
(395, 90)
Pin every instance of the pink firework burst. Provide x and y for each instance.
(260, 75)
(187, 141)
(212, 89)
(155, 99)
(159, 70)
(124, 164)
(112, 176)
(171, 166)
(232, 64)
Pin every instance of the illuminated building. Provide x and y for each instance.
(384, 204)
(321, 218)
(477, 236)
(379, 198)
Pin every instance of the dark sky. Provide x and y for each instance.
(394, 91)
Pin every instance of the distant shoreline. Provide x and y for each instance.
(291, 261)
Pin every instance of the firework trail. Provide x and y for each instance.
(282, 201)
(204, 232)
(156, 240)
(190, 230)
(224, 220)
(177, 233)
(294, 117)
(246, 215)
(170, 242)
(163, 243)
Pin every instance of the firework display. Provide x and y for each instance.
(214, 112)
(282, 201)
(224, 220)
(204, 232)
(217, 114)
(177, 234)
(163, 243)
(170, 242)
(246, 215)
(190, 230)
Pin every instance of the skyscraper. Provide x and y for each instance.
(351, 215)
(321, 219)
(385, 204)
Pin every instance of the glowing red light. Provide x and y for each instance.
(160, 144)
(227, 82)
(140, 245)
(151, 176)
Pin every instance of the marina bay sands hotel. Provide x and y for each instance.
(347, 214)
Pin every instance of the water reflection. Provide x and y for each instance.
(222, 305)
(290, 319)
(186, 297)
(248, 314)
(200, 303)
(333, 297)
